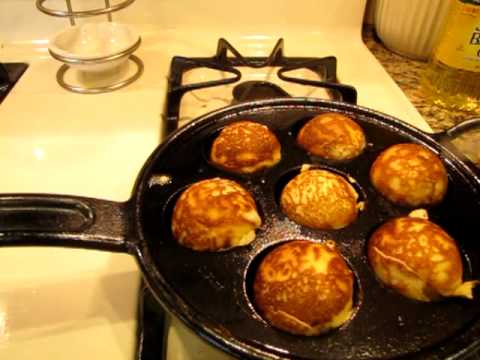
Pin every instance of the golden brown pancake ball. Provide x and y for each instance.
(215, 214)
(409, 174)
(418, 259)
(304, 288)
(332, 136)
(320, 199)
(245, 147)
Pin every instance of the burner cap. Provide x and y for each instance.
(257, 90)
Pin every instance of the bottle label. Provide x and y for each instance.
(459, 46)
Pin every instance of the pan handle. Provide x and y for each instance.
(463, 127)
(69, 221)
(448, 137)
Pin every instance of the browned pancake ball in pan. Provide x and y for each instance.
(332, 136)
(304, 288)
(320, 199)
(418, 259)
(409, 174)
(245, 147)
(215, 214)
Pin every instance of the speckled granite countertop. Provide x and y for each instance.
(407, 74)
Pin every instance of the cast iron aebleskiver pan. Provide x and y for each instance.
(210, 291)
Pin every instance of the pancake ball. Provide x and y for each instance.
(215, 214)
(245, 147)
(418, 259)
(304, 288)
(320, 199)
(409, 174)
(332, 136)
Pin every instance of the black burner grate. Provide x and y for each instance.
(9, 75)
(152, 328)
(325, 67)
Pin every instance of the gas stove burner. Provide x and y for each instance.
(324, 67)
(9, 75)
(257, 90)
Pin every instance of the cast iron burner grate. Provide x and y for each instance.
(325, 67)
(152, 329)
(9, 75)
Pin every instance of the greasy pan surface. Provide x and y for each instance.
(211, 291)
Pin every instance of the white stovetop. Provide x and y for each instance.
(78, 304)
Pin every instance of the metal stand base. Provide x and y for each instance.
(102, 89)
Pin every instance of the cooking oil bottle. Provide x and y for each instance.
(452, 78)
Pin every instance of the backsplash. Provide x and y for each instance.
(20, 20)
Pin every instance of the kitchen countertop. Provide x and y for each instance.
(407, 74)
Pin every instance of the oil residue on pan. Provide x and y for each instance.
(215, 285)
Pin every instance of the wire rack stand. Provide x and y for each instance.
(72, 15)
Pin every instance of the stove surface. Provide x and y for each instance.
(94, 145)
(77, 304)
(199, 102)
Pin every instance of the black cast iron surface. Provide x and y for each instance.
(152, 331)
(153, 324)
(324, 67)
(210, 292)
(215, 287)
(10, 73)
